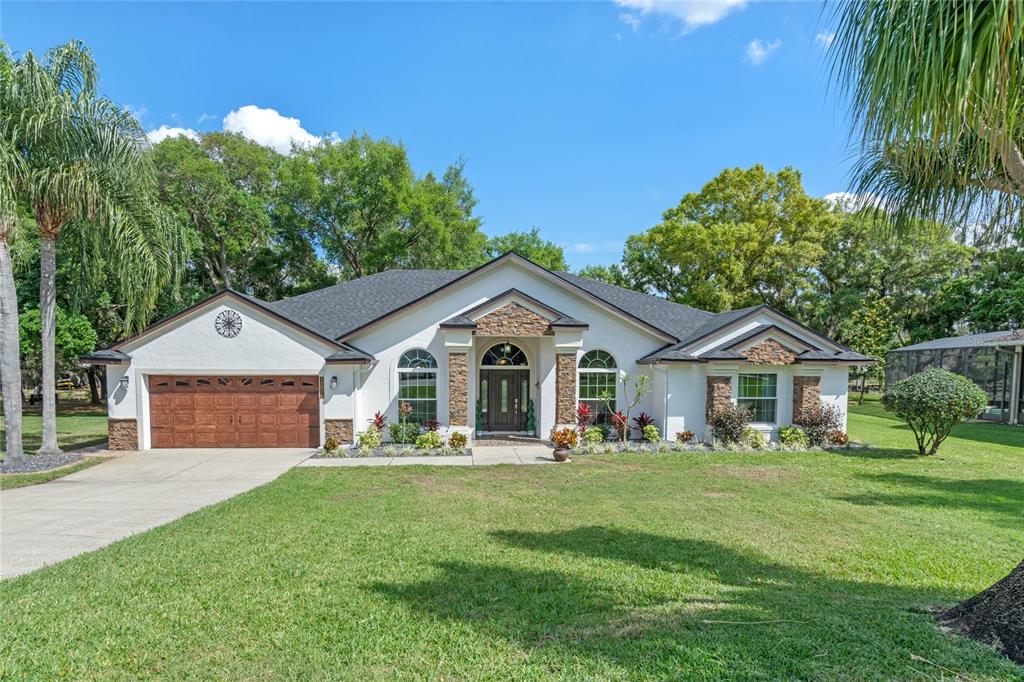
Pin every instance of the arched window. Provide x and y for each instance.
(417, 384)
(504, 355)
(598, 376)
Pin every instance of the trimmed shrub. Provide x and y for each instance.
(932, 403)
(403, 432)
(838, 438)
(794, 436)
(457, 440)
(754, 439)
(651, 434)
(593, 435)
(819, 421)
(684, 436)
(370, 439)
(727, 425)
(331, 444)
(431, 440)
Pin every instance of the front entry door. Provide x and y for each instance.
(507, 393)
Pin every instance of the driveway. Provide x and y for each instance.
(47, 523)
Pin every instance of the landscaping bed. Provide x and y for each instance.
(17, 477)
(391, 451)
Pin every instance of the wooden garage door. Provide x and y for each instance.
(234, 411)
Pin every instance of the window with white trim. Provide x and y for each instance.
(597, 375)
(759, 394)
(417, 384)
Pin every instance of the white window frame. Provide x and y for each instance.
(417, 370)
(580, 370)
(775, 399)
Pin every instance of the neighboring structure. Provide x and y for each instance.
(472, 348)
(992, 360)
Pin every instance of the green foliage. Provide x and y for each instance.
(531, 246)
(457, 440)
(748, 237)
(361, 202)
(609, 274)
(74, 337)
(479, 416)
(932, 403)
(794, 436)
(431, 440)
(531, 417)
(684, 436)
(403, 432)
(370, 439)
(651, 433)
(753, 438)
(728, 424)
(593, 435)
(819, 422)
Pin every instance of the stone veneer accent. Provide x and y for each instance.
(513, 319)
(769, 352)
(458, 380)
(565, 388)
(806, 394)
(340, 429)
(122, 434)
(719, 396)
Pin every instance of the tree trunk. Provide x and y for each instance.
(863, 387)
(94, 392)
(48, 315)
(994, 616)
(10, 354)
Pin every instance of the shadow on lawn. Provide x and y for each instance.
(1002, 498)
(784, 622)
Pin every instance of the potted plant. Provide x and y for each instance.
(564, 440)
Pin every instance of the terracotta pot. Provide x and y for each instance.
(561, 455)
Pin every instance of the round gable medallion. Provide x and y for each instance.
(228, 324)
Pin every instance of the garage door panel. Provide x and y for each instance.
(212, 411)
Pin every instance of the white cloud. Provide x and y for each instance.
(589, 247)
(269, 128)
(825, 39)
(851, 201)
(631, 20)
(163, 132)
(204, 117)
(758, 50)
(691, 13)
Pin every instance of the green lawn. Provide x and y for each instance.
(21, 480)
(710, 566)
(79, 425)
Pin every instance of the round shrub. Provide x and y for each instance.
(403, 432)
(593, 435)
(794, 437)
(651, 434)
(457, 440)
(728, 424)
(430, 440)
(753, 438)
(819, 422)
(932, 403)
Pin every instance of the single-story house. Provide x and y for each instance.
(993, 360)
(496, 349)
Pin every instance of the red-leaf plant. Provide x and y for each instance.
(379, 421)
(621, 424)
(584, 417)
(642, 420)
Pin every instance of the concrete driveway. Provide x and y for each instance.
(47, 523)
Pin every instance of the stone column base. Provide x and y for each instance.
(122, 434)
(340, 430)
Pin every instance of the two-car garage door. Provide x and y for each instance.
(234, 411)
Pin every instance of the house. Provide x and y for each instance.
(485, 351)
(993, 360)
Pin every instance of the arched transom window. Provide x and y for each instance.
(504, 355)
(417, 384)
(598, 377)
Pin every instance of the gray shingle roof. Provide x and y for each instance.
(350, 355)
(970, 341)
(107, 356)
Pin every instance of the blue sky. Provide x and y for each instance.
(586, 120)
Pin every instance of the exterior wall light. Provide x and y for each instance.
(334, 383)
(124, 381)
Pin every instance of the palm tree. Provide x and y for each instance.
(937, 92)
(85, 166)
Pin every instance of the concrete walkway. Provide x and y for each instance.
(46, 523)
(482, 456)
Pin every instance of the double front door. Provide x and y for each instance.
(504, 397)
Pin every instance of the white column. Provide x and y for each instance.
(1018, 368)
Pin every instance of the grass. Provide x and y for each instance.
(8, 481)
(79, 424)
(698, 566)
